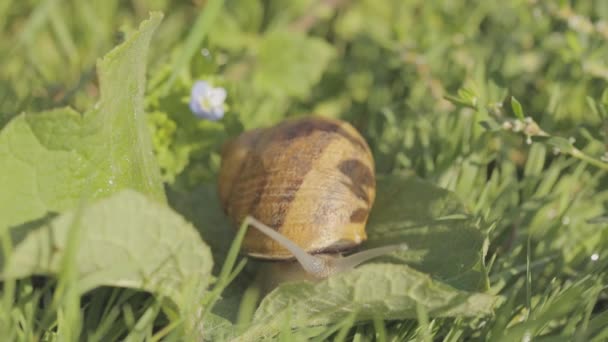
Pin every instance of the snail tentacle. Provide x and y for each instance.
(351, 261)
(311, 264)
(325, 265)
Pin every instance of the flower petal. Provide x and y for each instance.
(207, 102)
(199, 88)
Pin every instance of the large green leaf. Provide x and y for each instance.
(378, 290)
(52, 160)
(443, 240)
(126, 240)
(445, 250)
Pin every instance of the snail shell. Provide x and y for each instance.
(311, 179)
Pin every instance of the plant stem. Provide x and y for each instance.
(576, 153)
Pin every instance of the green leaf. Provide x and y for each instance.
(443, 240)
(443, 243)
(203, 209)
(52, 160)
(387, 291)
(562, 143)
(517, 110)
(126, 240)
(290, 63)
(468, 95)
(215, 328)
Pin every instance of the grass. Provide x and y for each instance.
(506, 105)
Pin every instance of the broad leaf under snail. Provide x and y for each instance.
(444, 262)
(376, 290)
(433, 221)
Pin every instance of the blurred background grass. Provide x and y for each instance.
(388, 67)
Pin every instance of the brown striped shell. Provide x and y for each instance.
(311, 179)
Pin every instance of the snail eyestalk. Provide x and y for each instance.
(351, 261)
(325, 265)
(310, 263)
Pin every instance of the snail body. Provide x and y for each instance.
(307, 185)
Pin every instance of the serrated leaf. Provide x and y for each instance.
(126, 240)
(215, 328)
(380, 290)
(52, 160)
(561, 143)
(517, 109)
(290, 63)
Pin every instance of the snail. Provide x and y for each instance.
(307, 185)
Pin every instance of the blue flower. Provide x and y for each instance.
(207, 102)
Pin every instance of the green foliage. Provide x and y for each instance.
(55, 159)
(275, 74)
(442, 239)
(387, 291)
(497, 113)
(166, 258)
